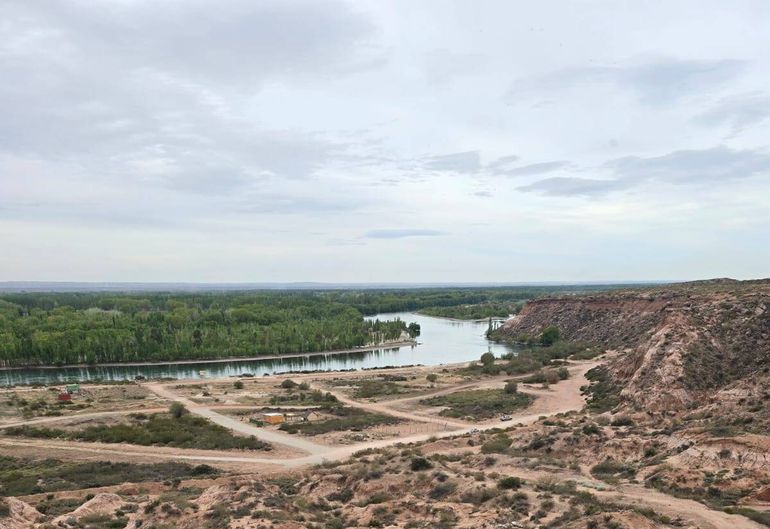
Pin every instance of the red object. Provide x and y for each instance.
(65, 396)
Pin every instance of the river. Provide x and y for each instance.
(441, 341)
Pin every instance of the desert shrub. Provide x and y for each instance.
(420, 463)
(497, 445)
(342, 496)
(177, 409)
(288, 384)
(603, 394)
(510, 482)
(478, 496)
(622, 420)
(612, 469)
(442, 490)
(238, 384)
(511, 387)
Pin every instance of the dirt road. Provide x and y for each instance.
(264, 434)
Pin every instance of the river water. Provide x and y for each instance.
(441, 341)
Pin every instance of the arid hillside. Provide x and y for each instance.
(677, 343)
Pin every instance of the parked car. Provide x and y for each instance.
(505, 418)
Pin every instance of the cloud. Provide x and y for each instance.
(571, 186)
(401, 233)
(655, 82)
(460, 162)
(535, 168)
(738, 113)
(502, 163)
(712, 166)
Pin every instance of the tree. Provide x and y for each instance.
(432, 378)
(413, 329)
(511, 387)
(177, 409)
(487, 359)
(550, 335)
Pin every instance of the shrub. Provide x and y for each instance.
(510, 482)
(288, 384)
(511, 387)
(238, 384)
(432, 378)
(177, 409)
(487, 359)
(442, 490)
(496, 445)
(622, 420)
(420, 463)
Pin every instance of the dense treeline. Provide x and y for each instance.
(88, 328)
(45, 329)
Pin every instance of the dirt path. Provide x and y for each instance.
(270, 436)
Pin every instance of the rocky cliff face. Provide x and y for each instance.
(677, 343)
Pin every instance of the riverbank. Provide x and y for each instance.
(472, 320)
(368, 348)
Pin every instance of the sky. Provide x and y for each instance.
(369, 141)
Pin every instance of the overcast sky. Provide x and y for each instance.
(370, 141)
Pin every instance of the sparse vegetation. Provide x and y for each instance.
(19, 477)
(479, 404)
(345, 418)
(182, 431)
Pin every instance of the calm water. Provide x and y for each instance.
(441, 342)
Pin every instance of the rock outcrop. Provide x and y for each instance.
(678, 342)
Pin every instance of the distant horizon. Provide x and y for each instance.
(192, 286)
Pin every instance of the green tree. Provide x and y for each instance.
(177, 409)
(487, 359)
(550, 335)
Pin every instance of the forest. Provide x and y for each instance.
(91, 328)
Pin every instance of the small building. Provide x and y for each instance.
(273, 418)
(73, 388)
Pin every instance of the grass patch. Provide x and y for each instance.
(345, 418)
(185, 431)
(19, 477)
(479, 403)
